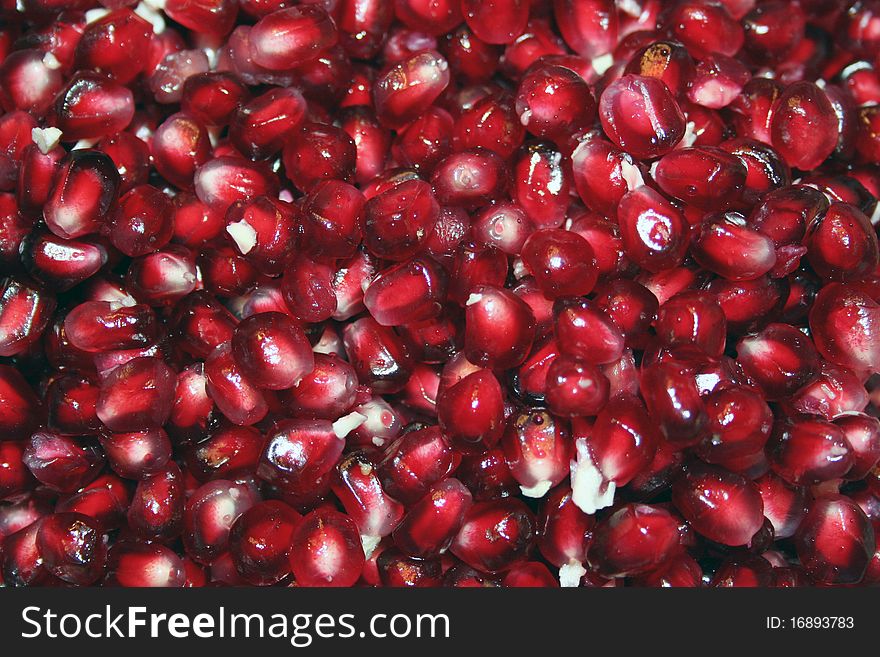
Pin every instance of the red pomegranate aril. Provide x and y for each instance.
(674, 402)
(779, 359)
(415, 462)
(706, 28)
(561, 261)
(134, 564)
(168, 77)
(630, 305)
(704, 176)
(841, 244)
(16, 477)
(804, 127)
(259, 541)
(406, 293)
(92, 106)
(487, 308)
(21, 563)
(202, 324)
(72, 547)
(640, 115)
(490, 123)
(728, 246)
(471, 412)
(297, 452)
(767, 170)
(784, 504)
(497, 21)
(809, 450)
(358, 487)
(739, 424)
(589, 28)
(743, 571)
(564, 534)
(844, 324)
(584, 331)
(137, 395)
(378, 355)
(538, 450)
(470, 178)
(431, 524)
(259, 127)
(179, 147)
(692, 318)
(495, 535)
(326, 550)
(29, 84)
(82, 194)
(288, 37)
(237, 397)
(156, 510)
(272, 350)
(114, 45)
(724, 507)
(105, 500)
(332, 220)
(718, 81)
(19, 405)
(62, 463)
(666, 60)
(227, 452)
(163, 278)
(575, 387)
(634, 540)
(655, 234)
(862, 432)
(406, 89)
(327, 392)
(222, 181)
(263, 231)
(553, 101)
(212, 17)
(210, 512)
(399, 221)
(835, 541)
(213, 97)
(137, 454)
(541, 184)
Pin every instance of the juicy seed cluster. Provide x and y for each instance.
(439, 293)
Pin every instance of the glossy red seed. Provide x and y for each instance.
(326, 550)
(634, 540)
(835, 542)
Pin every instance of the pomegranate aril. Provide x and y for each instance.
(471, 412)
(495, 535)
(634, 540)
(135, 564)
(210, 512)
(835, 541)
(326, 550)
(807, 451)
(259, 541)
(288, 37)
(92, 106)
(156, 510)
(779, 359)
(72, 547)
(378, 355)
(804, 127)
(236, 396)
(407, 293)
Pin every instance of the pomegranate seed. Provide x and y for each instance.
(325, 550)
(72, 547)
(835, 541)
(259, 541)
(634, 540)
(495, 535)
(134, 564)
(157, 506)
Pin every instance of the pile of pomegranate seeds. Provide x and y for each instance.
(439, 292)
